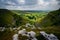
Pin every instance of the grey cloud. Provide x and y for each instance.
(57, 0)
(30, 4)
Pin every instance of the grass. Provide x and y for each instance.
(31, 17)
(54, 30)
(7, 35)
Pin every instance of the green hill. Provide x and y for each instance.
(10, 18)
(6, 17)
(52, 19)
(16, 17)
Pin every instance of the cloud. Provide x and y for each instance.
(21, 2)
(30, 4)
(54, 4)
(58, 2)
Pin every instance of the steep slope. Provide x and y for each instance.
(9, 18)
(6, 17)
(52, 19)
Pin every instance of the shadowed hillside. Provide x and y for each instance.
(52, 19)
(6, 17)
(9, 18)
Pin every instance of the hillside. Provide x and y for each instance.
(9, 18)
(52, 19)
(15, 18)
(14, 21)
(6, 17)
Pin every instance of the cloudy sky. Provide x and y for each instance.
(30, 4)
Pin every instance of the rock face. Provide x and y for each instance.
(15, 37)
(32, 33)
(2, 28)
(49, 36)
(27, 25)
(22, 32)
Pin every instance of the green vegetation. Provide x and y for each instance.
(52, 19)
(48, 22)
(6, 18)
(16, 18)
(6, 35)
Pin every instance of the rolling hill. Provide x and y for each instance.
(52, 19)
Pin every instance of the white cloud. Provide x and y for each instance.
(21, 1)
(41, 2)
(10, 3)
(53, 4)
(40, 5)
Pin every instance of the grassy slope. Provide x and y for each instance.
(51, 23)
(52, 19)
(7, 35)
(6, 17)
